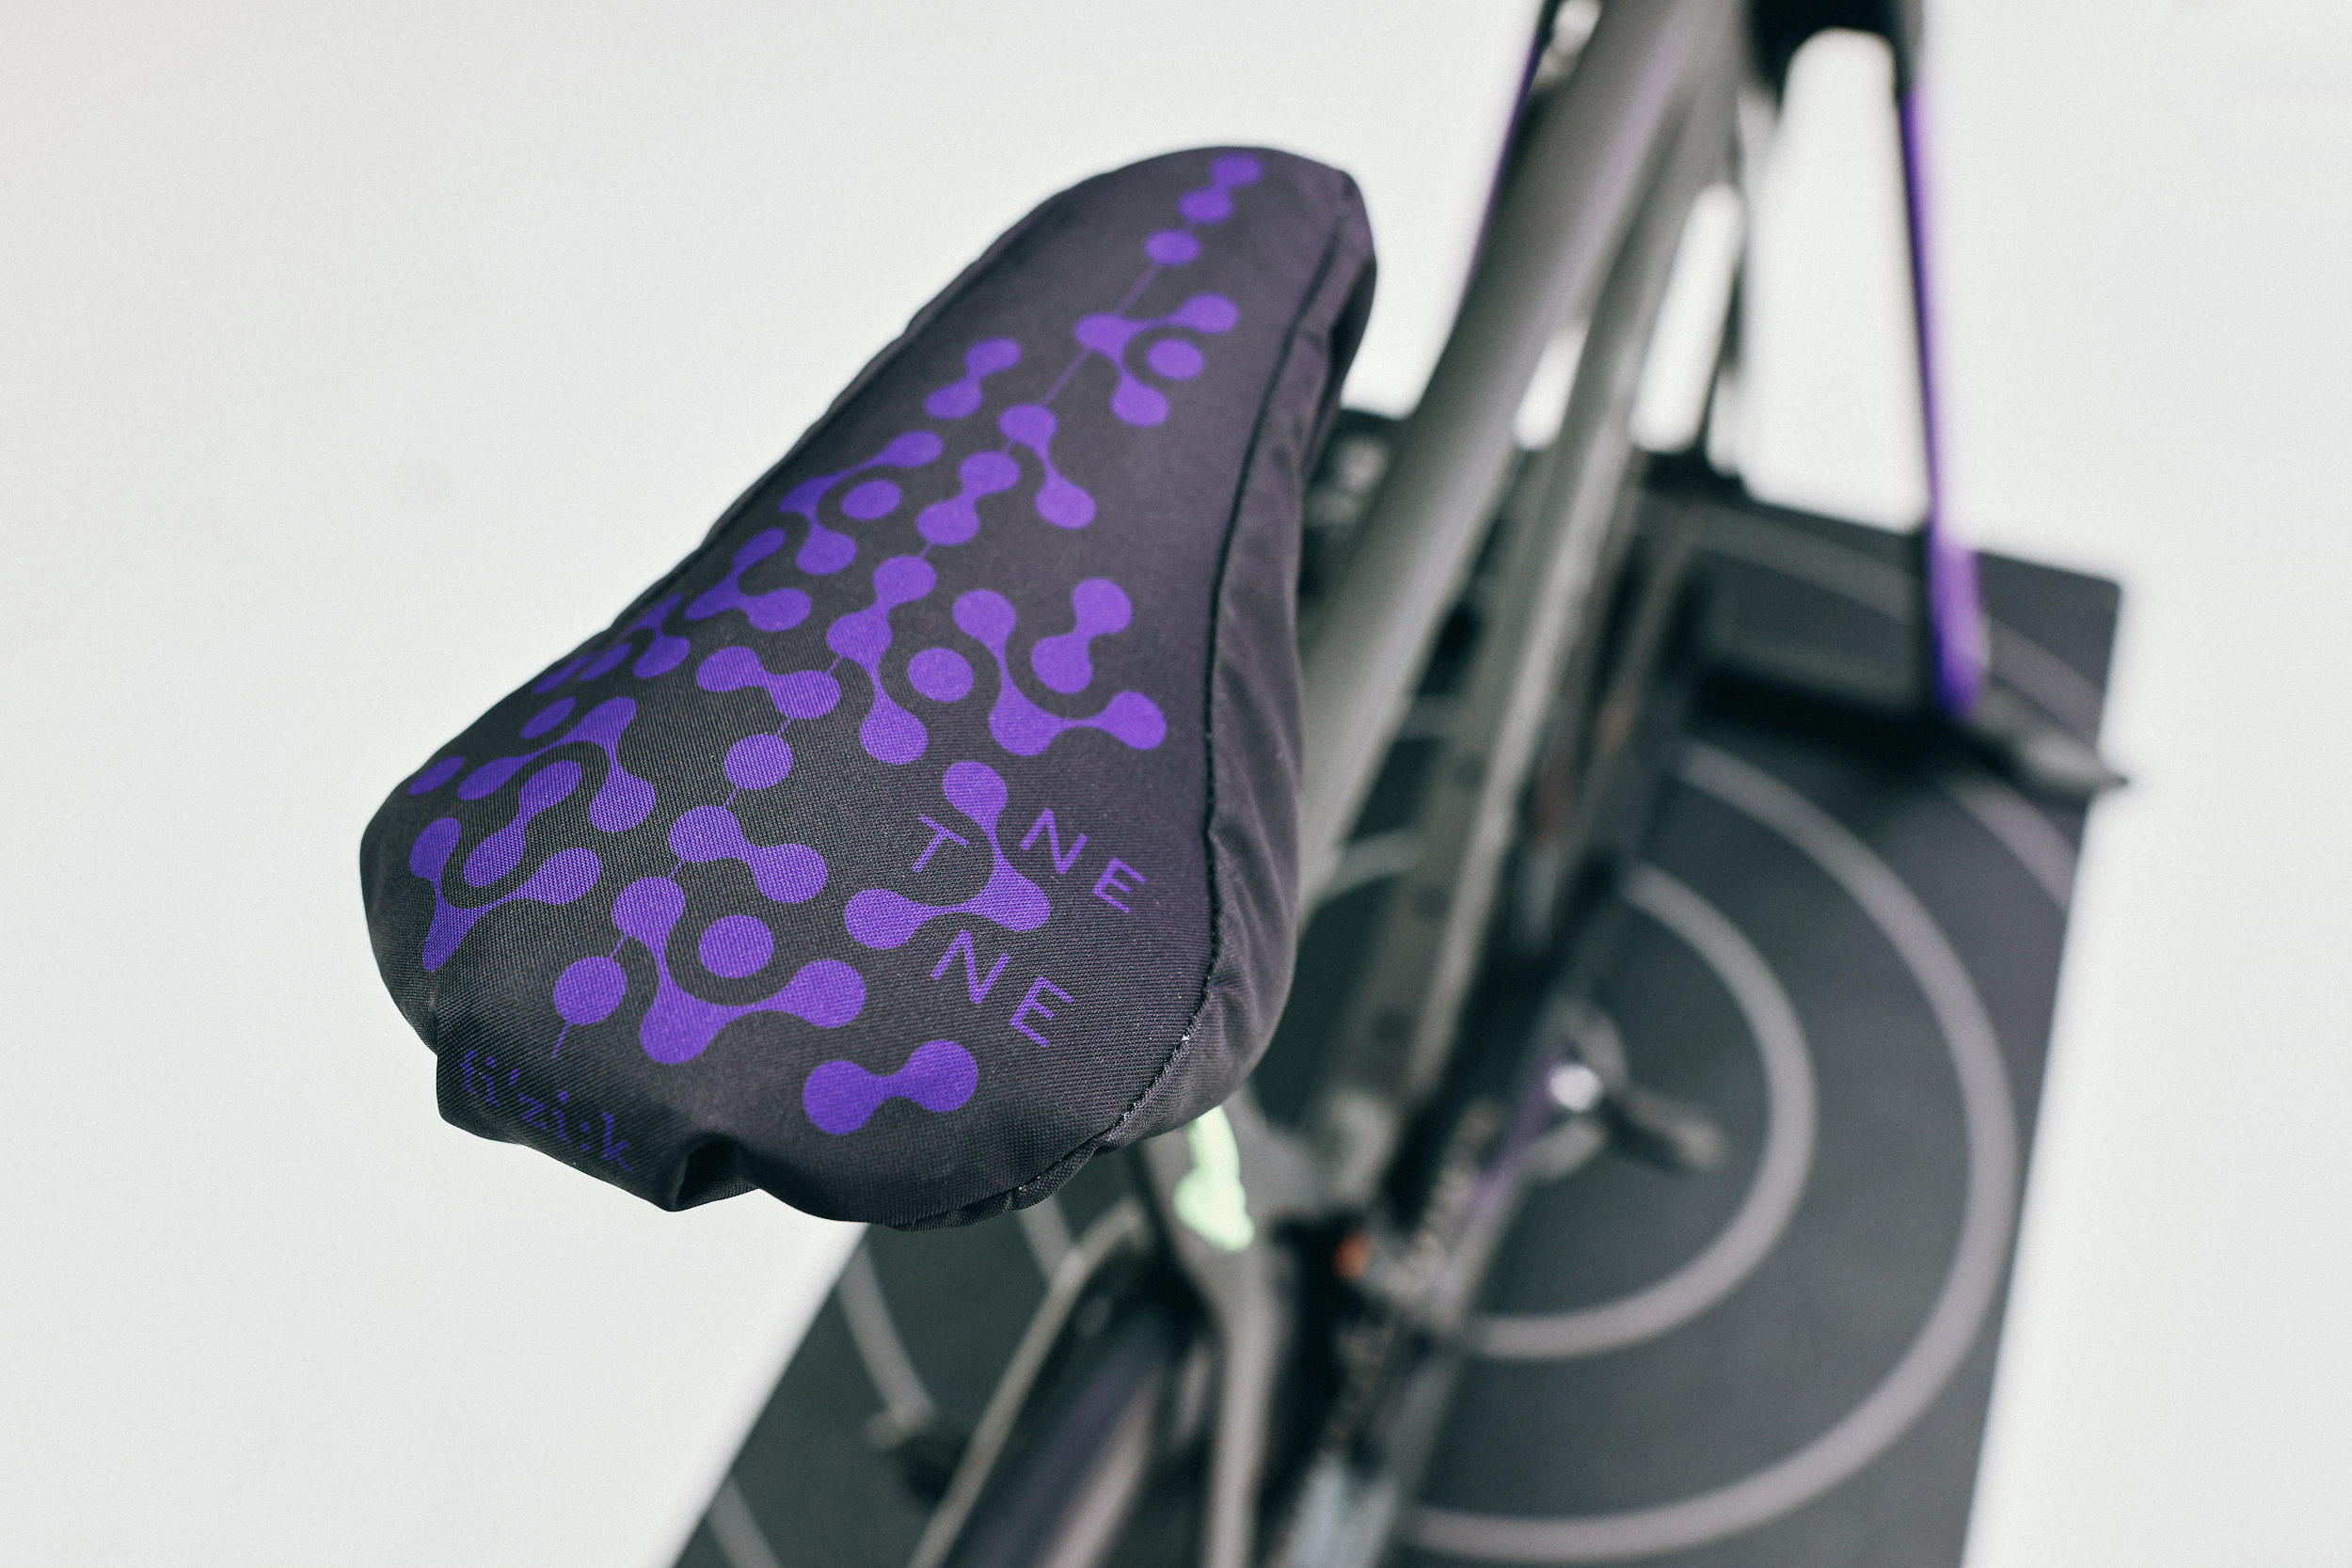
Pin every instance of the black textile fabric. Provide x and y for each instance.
(932, 827)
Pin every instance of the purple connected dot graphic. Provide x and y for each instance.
(607, 661)
(841, 1097)
(1174, 358)
(758, 762)
(1171, 247)
(560, 878)
(875, 498)
(1059, 502)
(882, 918)
(436, 776)
(955, 520)
(942, 675)
(1099, 607)
(664, 652)
(785, 872)
(1018, 724)
(890, 734)
(678, 1026)
(960, 400)
(621, 803)
(736, 946)
(825, 551)
(1150, 355)
(1134, 403)
(796, 694)
(495, 858)
(588, 992)
(777, 609)
(1214, 201)
(547, 717)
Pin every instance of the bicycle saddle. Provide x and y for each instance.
(931, 827)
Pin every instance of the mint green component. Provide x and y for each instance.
(1208, 1197)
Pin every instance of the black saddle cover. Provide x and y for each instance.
(932, 827)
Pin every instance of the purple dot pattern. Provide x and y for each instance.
(1111, 336)
(759, 762)
(664, 652)
(607, 661)
(824, 551)
(960, 400)
(679, 1025)
(495, 858)
(785, 873)
(842, 1097)
(1017, 723)
(942, 675)
(736, 946)
(436, 776)
(547, 717)
(884, 919)
(777, 609)
(875, 498)
(796, 694)
(890, 734)
(1171, 247)
(1058, 500)
(590, 991)
(1098, 606)
(1214, 202)
(621, 802)
(1175, 359)
(560, 878)
(957, 519)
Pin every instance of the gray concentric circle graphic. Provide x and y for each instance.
(1988, 1116)
(1772, 1198)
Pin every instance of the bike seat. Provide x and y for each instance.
(933, 826)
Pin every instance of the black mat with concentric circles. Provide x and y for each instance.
(1848, 956)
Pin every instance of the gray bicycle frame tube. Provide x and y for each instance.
(1401, 1023)
(1565, 208)
(1122, 1226)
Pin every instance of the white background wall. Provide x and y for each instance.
(352, 360)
